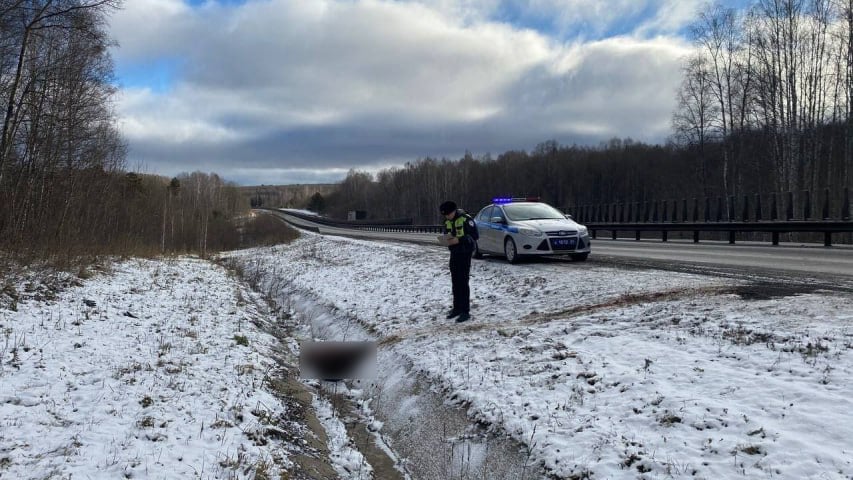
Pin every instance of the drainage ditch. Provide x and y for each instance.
(402, 423)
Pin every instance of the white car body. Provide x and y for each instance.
(516, 229)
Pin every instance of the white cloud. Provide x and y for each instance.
(150, 28)
(292, 80)
(672, 16)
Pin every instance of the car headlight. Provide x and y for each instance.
(582, 231)
(530, 232)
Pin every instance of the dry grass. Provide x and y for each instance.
(265, 229)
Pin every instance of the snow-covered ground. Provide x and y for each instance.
(155, 369)
(162, 369)
(603, 372)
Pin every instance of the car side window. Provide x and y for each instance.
(498, 212)
(485, 214)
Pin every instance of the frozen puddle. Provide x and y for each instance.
(399, 425)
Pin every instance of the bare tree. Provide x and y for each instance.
(697, 113)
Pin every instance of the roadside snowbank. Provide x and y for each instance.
(157, 369)
(603, 371)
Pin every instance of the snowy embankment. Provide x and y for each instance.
(156, 369)
(604, 372)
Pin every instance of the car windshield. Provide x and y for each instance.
(531, 211)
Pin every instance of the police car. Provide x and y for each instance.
(518, 227)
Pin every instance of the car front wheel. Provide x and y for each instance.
(510, 251)
(580, 257)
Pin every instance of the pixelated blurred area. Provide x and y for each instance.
(334, 361)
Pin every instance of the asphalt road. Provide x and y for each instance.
(836, 260)
(811, 263)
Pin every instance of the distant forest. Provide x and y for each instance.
(765, 105)
(64, 191)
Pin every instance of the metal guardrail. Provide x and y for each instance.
(370, 226)
(721, 214)
(773, 227)
(733, 228)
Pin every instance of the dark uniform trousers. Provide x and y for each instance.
(460, 269)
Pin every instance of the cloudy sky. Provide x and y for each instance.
(301, 91)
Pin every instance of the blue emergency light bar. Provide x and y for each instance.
(503, 200)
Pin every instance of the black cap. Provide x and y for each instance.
(447, 207)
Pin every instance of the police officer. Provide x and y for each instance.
(458, 225)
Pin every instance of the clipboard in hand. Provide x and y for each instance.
(444, 240)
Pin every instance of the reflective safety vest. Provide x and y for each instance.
(456, 227)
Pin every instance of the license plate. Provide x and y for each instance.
(563, 243)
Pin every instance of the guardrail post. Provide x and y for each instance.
(758, 207)
(731, 210)
(664, 235)
(775, 238)
(745, 212)
(789, 209)
(695, 236)
(826, 204)
(807, 205)
(827, 239)
(845, 207)
(731, 238)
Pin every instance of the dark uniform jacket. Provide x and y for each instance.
(460, 227)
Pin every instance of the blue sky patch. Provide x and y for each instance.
(157, 74)
(197, 3)
(546, 22)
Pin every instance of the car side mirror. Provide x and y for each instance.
(568, 216)
(498, 220)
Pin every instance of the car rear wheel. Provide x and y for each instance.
(579, 257)
(477, 253)
(510, 251)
